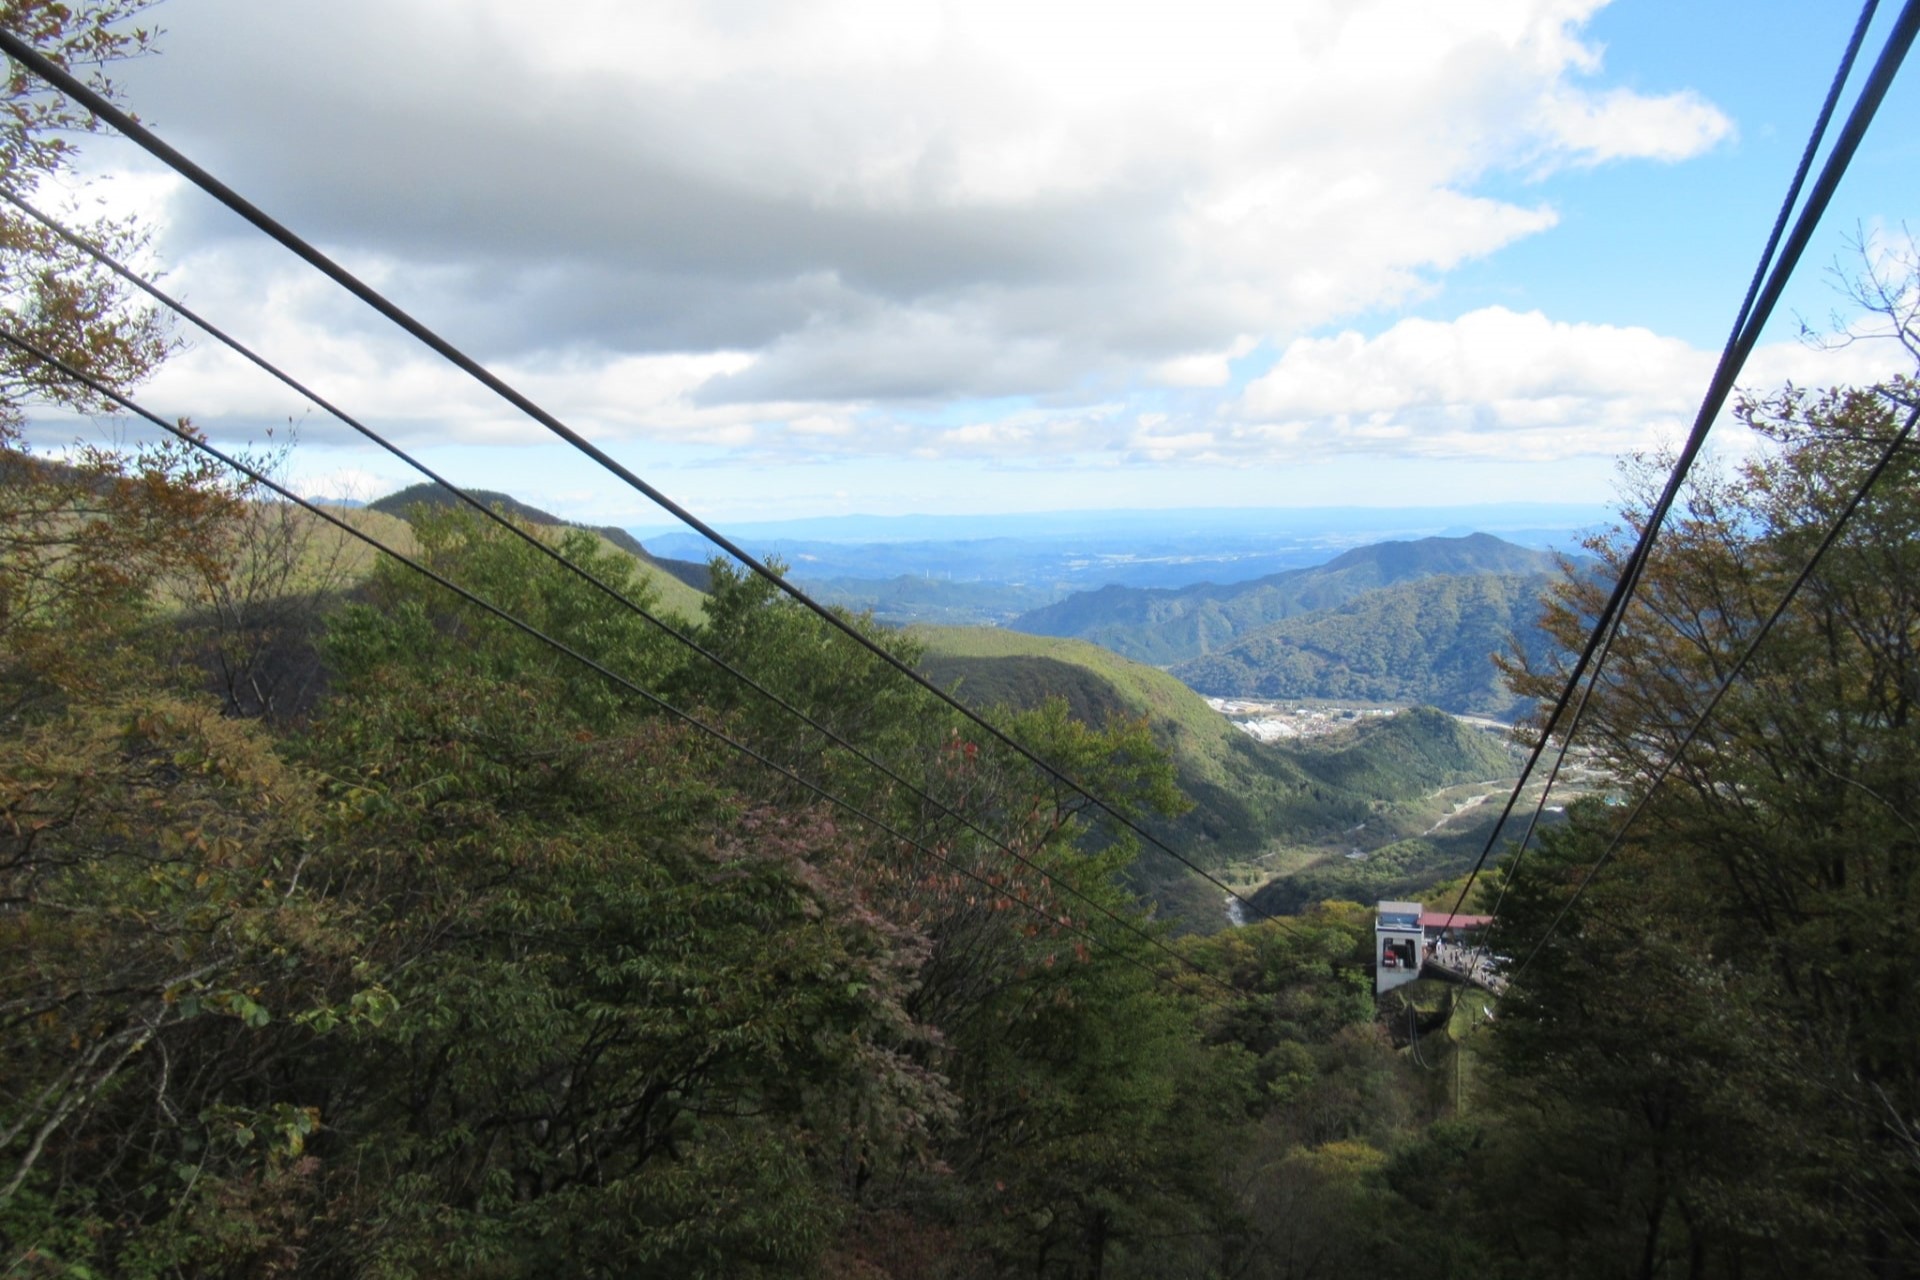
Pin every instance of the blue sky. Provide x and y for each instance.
(795, 259)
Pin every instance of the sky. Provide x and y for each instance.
(906, 256)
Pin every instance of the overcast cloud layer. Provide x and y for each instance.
(844, 228)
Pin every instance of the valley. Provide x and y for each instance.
(1420, 840)
(1281, 721)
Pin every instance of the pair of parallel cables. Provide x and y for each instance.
(1769, 281)
(88, 97)
(96, 103)
(262, 479)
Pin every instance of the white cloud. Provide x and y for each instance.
(1484, 358)
(399, 388)
(354, 484)
(1498, 384)
(883, 201)
(1617, 124)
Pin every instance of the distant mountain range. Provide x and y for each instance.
(1395, 622)
(1168, 626)
(1425, 641)
(1053, 553)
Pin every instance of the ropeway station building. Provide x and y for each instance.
(1406, 936)
(1398, 943)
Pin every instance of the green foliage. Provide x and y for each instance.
(157, 937)
(1722, 1027)
(408, 626)
(677, 584)
(641, 1018)
(1414, 750)
(1333, 1100)
(1426, 641)
(1394, 870)
(1247, 796)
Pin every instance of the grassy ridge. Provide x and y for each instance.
(999, 668)
(693, 576)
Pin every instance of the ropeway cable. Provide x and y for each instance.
(1840, 76)
(24, 53)
(1755, 312)
(151, 290)
(1832, 535)
(259, 477)
(1739, 343)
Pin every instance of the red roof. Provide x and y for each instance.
(1442, 920)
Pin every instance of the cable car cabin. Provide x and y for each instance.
(1397, 942)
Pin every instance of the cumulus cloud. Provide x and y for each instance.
(1493, 383)
(1617, 124)
(858, 203)
(1499, 384)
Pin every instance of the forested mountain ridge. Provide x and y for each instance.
(1430, 641)
(433, 496)
(1166, 626)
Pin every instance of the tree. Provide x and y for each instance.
(157, 939)
(86, 535)
(61, 299)
(645, 1018)
(1725, 1022)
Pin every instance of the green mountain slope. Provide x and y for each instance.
(1249, 796)
(1424, 641)
(681, 583)
(1168, 626)
(432, 495)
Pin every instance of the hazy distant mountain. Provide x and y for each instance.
(1063, 551)
(1164, 627)
(907, 600)
(1526, 523)
(1425, 641)
(432, 495)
